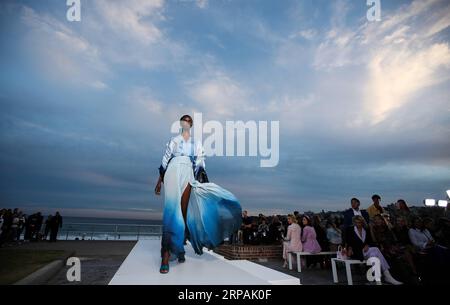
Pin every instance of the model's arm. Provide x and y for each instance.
(158, 185)
(163, 166)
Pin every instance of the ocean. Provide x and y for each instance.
(89, 228)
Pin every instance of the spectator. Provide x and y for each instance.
(443, 232)
(6, 226)
(375, 208)
(428, 224)
(48, 224)
(334, 235)
(2, 212)
(39, 222)
(253, 238)
(354, 211)
(360, 246)
(401, 232)
(321, 233)
(420, 237)
(276, 230)
(14, 226)
(21, 226)
(434, 258)
(33, 219)
(309, 240)
(292, 240)
(263, 231)
(402, 210)
(55, 225)
(246, 227)
(399, 257)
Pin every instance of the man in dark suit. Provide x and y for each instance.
(353, 211)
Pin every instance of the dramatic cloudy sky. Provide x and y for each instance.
(86, 107)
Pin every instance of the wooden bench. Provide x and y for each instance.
(348, 269)
(300, 254)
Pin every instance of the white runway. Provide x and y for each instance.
(141, 267)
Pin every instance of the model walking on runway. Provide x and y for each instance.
(203, 213)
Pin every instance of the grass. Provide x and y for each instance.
(15, 264)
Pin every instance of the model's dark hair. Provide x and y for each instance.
(187, 116)
(376, 197)
(355, 199)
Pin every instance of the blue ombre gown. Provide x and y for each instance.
(213, 213)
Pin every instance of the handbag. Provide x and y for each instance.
(341, 253)
(201, 176)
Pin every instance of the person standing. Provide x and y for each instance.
(375, 208)
(246, 228)
(55, 225)
(354, 211)
(47, 228)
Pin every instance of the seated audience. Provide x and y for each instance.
(309, 240)
(276, 230)
(400, 258)
(263, 231)
(359, 246)
(292, 240)
(334, 235)
(321, 234)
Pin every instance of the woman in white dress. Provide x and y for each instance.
(203, 213)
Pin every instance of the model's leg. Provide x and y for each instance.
(184, 206)
(185, 201)
(165, 253)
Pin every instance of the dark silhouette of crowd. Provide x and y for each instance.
(16, 227)
(412, 242)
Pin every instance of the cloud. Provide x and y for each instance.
(202, 3)
(217, 93)
(132, 33)
(399, 55)
(308, 34)
(144, 97)
(61, 53)
(99, 85)
(133, 18)
(397, 74)
(361, 105)
(62, 135)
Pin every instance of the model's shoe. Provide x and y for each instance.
(164, 268)
(285, 265)
(388, 278)
(181, 258)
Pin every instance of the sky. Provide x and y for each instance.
(86, 107)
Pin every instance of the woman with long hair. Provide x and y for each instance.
(203, 213)
(292, 242)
